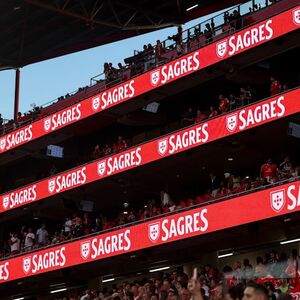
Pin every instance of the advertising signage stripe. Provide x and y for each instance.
(237, 43)
(268, 203)
(254, 115)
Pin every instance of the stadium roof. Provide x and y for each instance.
(36, 30)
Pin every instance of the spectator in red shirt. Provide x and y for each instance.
(275, 86)
(200, 116)
(213, 112)
(120, 145)
(199, 200)
(223, 104)
(268, 170)
(158, 51)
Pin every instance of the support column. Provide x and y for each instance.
(17, 93)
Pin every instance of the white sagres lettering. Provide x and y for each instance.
(252, 116)
(69, 180)
(4, 272)
(293, 195)
(196, 222)
(251, 37)
(62, 118)
(124, 161)
(260, 113)
(111, 244)
(16, 138)
(179, 141)
(181, 67)
(122, 92)
(48, 260)
(17, 198)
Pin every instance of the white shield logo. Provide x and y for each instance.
(51, 185)
(101, 167)
(26, 264)
(231, 122)
(85, 248)
(222, 48)
(155, 76)
(96, 103)
(47, 124)
(277, 200)
(154, 231)
(2, 144)
(5, 202)
(162, 146)
(296, 16)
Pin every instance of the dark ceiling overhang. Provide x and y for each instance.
(36, 30)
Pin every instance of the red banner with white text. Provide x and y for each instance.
(260, 205)
(232, 45)
(254, 115)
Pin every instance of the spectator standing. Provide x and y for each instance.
(213, 112)
(14, 243)
(223, 104)
(42, 236)
(268, 170)
(275, 87)
(29, 240)
(200, 116)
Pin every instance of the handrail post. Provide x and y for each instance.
(17, 93)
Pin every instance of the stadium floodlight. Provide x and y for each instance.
(290, 241)
(108, 280)
(225, 255)
(159, 269)
(58, 291)
(21, 298)
(192, 7)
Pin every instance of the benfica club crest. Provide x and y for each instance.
(154, 77)
(85, 248)
(96, 103)
(277, 199)
(47, 124)
(5, 202)
(231, 122)
(26, 264)
(221, 48)
(51, 185)
(162, 147)
(2, 144)
(101, 167)
(154, 231)
(296, 16)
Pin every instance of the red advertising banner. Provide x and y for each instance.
(232, 45)
(252, 116)
(261, 205)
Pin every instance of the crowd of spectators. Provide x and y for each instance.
(272, 277)
(245, 96)
(120, 145)
(81, 224)
(151, 56)
(224, 103)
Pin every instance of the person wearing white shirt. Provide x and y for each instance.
(42, 236)
(14, 244)
(29, 240)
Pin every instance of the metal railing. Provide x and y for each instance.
(216, 200)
